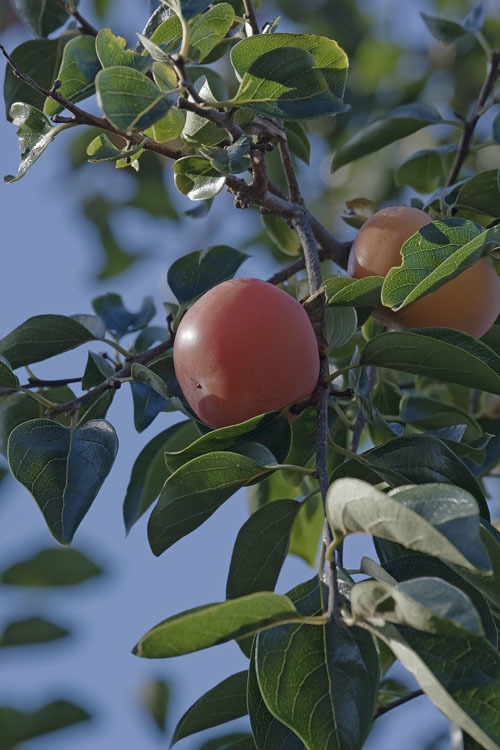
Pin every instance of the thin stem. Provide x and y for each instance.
(342, 371)
(398, 702)
(85, 26)
(186, 37)
(304, 232)
(38, 397)
(293, 467)
(470, 124)
(124, 352)
(250, 16)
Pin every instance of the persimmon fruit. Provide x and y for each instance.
(470, 302)
(244, 348)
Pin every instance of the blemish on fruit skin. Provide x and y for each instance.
(198, 385)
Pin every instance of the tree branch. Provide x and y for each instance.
(81, 117)
(85, 26)
(470, 124)
(250, 16)
(399, 702)
(111, 383)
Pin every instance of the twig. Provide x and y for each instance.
(85, 118)
(398, 702)
(304, 232)
(85, 26)
(470, 124)
(291, 177)
(259, 170)
(250, 16)
(111, 383)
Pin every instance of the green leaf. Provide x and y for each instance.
(96, 370)
(42, 337)
(439, 353)
(487, 585)
(433, 256)
(210, 28)
(431, 413)
(480, 193)
(271, 430)
(232, 741)
(396, 124)
(268, 732)
(409, 566)
(231, 159)
(129, 99)
(426, 170)
(342, 290)
(40, 59)
(155, 698)
(198, 129)
(474, 20)
(195, 491)
(281, 234)
(149, 472)
(195, 273)
(224, 702)
(77, 73)
(63, 469)
(102, 149)
(35, 133)
(144, 375)
(307, 530)
(442, 29)
(298, 140)
(291, 76)
(197, 178)
(15, 408)
(19, 726)
(211, 624)
(59, 566)
(316, 679)
(428, 604)
(465, 689)
(437, 519)
(42, 16)
(31, 630)
(111, 50)
(119, 320)
(260, 549)
(7, 377)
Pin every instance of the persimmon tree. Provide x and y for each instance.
(398, 437)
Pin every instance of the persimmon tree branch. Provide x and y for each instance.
(81, 117)
(291, 177)
(250, 16)
(85, 26)
(111, 383)
(471, 122)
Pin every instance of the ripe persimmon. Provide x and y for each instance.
(470, 302)
(244, 348)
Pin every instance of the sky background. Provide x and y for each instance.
(48, 260)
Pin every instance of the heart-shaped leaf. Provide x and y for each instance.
(62, 468)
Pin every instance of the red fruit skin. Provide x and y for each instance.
(244, 348)
(470, 302)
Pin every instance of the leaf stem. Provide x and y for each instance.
(38, 397)
(85, 26)
(116, 346)
(399, 702)
(294, 467)
(250, 16)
